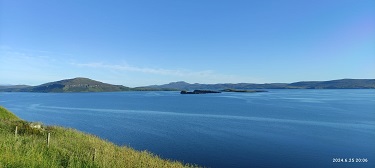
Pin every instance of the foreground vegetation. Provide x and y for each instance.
(67, 148)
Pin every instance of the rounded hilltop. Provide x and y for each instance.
(78, 84)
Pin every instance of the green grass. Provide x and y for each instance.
(68, 148)
(7, 115)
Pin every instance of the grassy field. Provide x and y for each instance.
(67, 148)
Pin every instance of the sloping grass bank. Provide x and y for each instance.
(67, 148)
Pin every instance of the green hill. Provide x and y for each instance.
(67, 148)
(7, 115)
(76, 85)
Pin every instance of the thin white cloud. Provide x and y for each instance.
(159, 71)
(20, 66)
(205, 76)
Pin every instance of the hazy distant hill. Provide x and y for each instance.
(7, 88)
(333, 84)
(186, 86)
(337, 84)
(89, 85)
(75, 85)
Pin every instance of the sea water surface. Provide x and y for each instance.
(279, 128)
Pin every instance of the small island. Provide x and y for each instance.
(225, 90)
(244, 91)
(199, 92)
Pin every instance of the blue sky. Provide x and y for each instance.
(145, 42)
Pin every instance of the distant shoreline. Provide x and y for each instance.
(89, 85)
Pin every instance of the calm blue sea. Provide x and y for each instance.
(279, 128)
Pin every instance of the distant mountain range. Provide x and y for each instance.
(89, 85)
(333, 84)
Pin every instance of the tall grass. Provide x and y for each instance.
(67, 148)
(7, 115)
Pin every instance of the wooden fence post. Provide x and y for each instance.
(48, 139)
(93, 157)
(15, 132)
